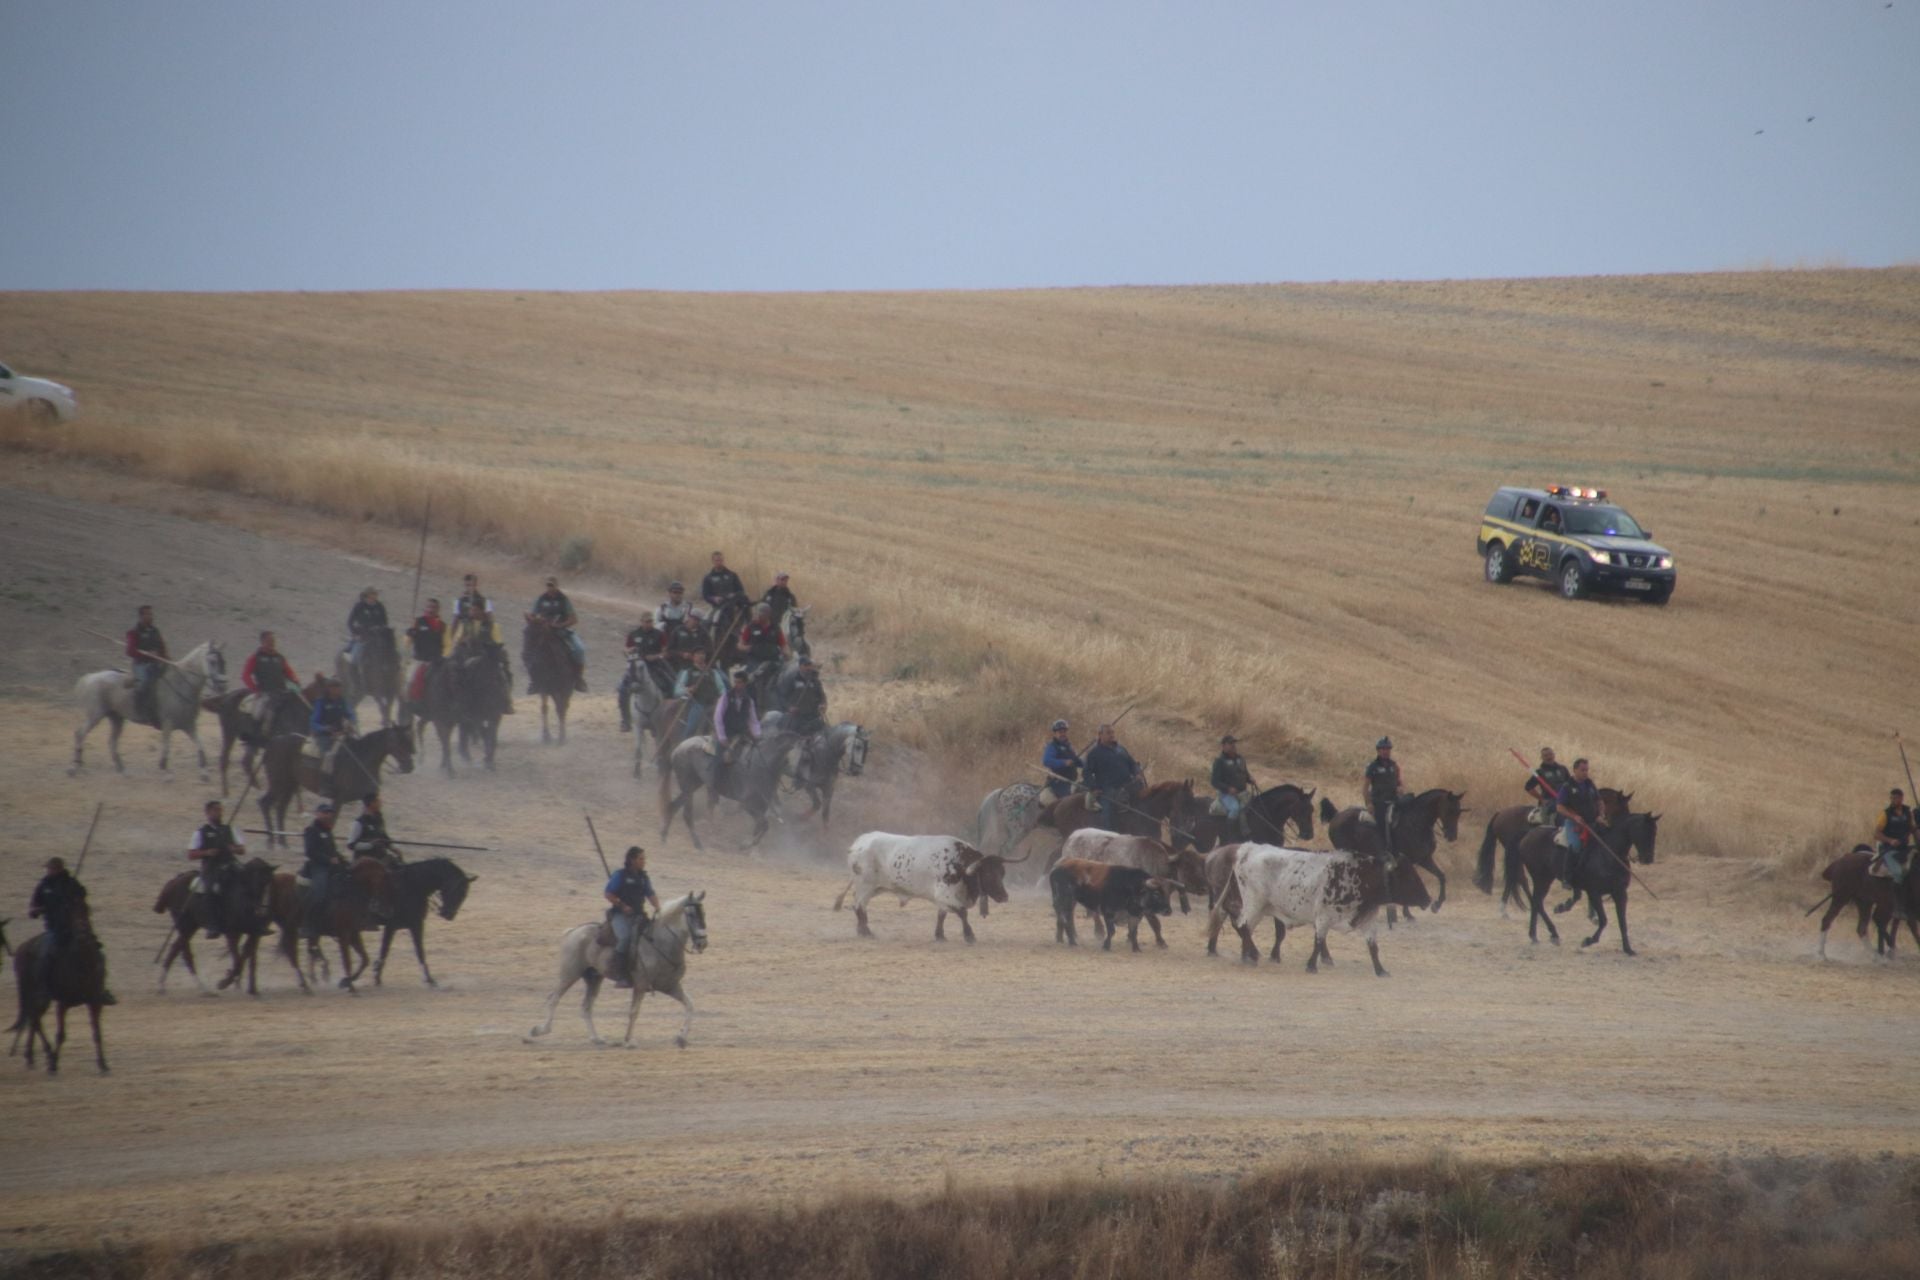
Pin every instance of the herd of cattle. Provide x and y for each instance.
(1127, 880)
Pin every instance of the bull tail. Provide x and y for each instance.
(1483, 869)
(1816, 906)
(841, 900)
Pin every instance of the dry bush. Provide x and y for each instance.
(1605, 1218)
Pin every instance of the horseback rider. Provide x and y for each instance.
(428, 636)
(779, 598)
(369, 839)
(367, 616)
(1381, 785)
(268, 677)
(689, 638)
(1893, 845)
(1062, 762)
(147, 651)
(646, 660)
(218, 852)
(475, 627)
(58, 899)
(629, 890)
(701, 686)
(672, 611)
(722, 585)
(735, 718)
(806, 699)
(1231, 782)
(320, 868)
(1544, 784)
(1112, 775)
(761, 643)
(332, 722)
(556, 611)
(1578, 805)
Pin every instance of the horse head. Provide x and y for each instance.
(216, 667)
(692, 912)
(400, 736)
(452, 888)
(1450, 811)
(1642, 830)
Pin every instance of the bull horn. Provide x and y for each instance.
(471, 879)
(1008, 862)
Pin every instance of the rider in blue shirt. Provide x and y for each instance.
(629, 891)
(1112, 775)
(332, 719)
(1578, 805)
(1062, 761)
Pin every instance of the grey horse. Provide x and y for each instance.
(108, 695)
(660, 964)
(753, 780)
(815, 771)
(1007, 817)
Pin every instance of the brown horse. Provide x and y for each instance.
(343, 920)
(355, 771)
(1507, 827)
(550, 672)
(1855, 886)
(289, 715)
(1142, 815)
(78, 976)
(1413, 837)
(242, 923)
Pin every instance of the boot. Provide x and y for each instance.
(579, 680)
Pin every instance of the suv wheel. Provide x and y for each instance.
(1499, 568)
(1573, 579)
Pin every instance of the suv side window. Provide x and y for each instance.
(1530, 508)
(1551, 519)
(1501, 505)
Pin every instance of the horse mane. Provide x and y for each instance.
(671, 911)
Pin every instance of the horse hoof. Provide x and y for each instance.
(680, 1042)
(433, 984)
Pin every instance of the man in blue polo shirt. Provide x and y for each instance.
(629, 891)
(1578, 805)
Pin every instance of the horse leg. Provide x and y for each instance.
(1838, 905)
(1620, 912)
(199, 748)
(1433, 865)
(545, 737)
(386, 941)
(586, 1009)
(686, 1022)
(114, 725)
(633, 1013)
(1593, 900)
(59, 1039)
(420, 951)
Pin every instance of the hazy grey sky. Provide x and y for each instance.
(253, 144)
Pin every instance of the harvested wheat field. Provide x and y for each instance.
(1233, 508)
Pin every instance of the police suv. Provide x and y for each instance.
(1574, 538)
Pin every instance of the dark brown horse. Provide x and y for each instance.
(242, 921)
(411, 889)
(355, 771)
(376, 675)
(289, 715)
(1603, 873)
(1268, 814)
(345, 916)
(1507, 827)
(1854, 885)
(1141, 815)
(78, 976)
(550, 672)
(467, 694)
(1413, 837)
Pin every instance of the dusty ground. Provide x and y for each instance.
(818, 1061)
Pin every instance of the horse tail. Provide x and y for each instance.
(1483, 868)
(1510, 885)
(1816, 906)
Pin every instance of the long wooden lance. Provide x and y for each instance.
(596, 845)
(420, 562)
(88, 842)
(1598, 839)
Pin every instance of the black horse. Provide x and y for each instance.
(466, 693)
(1603, 872)
(411, 889)
(550, 674)
(376, 675)
(78, 976)
(1268, 814)
(1413, 838)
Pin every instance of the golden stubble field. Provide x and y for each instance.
(1247, 508)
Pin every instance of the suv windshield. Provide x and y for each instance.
(1607, 520)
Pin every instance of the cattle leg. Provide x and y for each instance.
(1373, 949)
(1063, 927)
(1153, 922)
(1107, 943)
(1319, 944)
(940, 926)
(1279, 936)
(966, 929)
(1133, 933)
(1215, 918)
(860, 929)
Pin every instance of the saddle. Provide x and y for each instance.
(1560, 838)
(1218, 808)
(603, 936)
(311, 750)
(1539, 816)
(1367, 819)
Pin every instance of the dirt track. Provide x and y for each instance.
(818, 1061)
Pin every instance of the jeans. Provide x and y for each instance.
(577, 647)
(1231, 805)
(1895, 858)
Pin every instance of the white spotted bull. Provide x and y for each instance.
(943, 870)
(1342, 891)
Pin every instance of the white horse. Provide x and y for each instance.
(108, 695)
(660, 962)
(1008, 816)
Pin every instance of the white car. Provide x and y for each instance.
(41, 398)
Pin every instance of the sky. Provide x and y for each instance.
(624, 144)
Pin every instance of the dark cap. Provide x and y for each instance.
(1228, 738)
(370, 797)
(1058, 725)
(740, 674)
(676, 586)
(1385, 744)
(56, 864)
(325, 806)
(806, 659)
